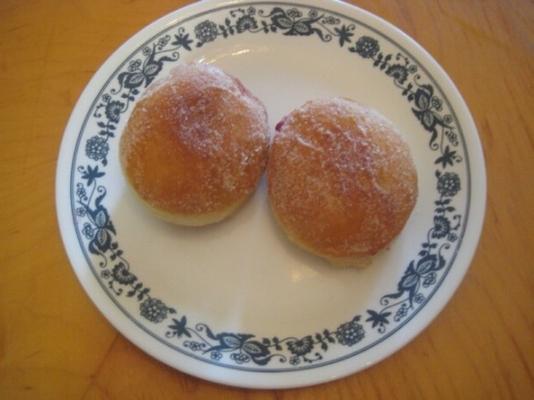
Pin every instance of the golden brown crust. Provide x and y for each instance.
(195, 145)
(341, 180)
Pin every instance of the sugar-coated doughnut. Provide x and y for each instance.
(195, 145)
(341, 180)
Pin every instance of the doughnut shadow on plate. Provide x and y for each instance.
(220, 228)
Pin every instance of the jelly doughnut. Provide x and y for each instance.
(195, 145)
(341, 180)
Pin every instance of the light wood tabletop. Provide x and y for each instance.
(55, 344)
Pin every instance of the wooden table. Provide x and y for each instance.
(54, 344)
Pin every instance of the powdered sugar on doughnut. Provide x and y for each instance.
(186, 97)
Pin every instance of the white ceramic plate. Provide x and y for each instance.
(236, 303)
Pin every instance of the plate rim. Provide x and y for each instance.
(478, 187)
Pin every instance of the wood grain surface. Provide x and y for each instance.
(54, 344)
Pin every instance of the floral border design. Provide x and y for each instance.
(94, 223)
